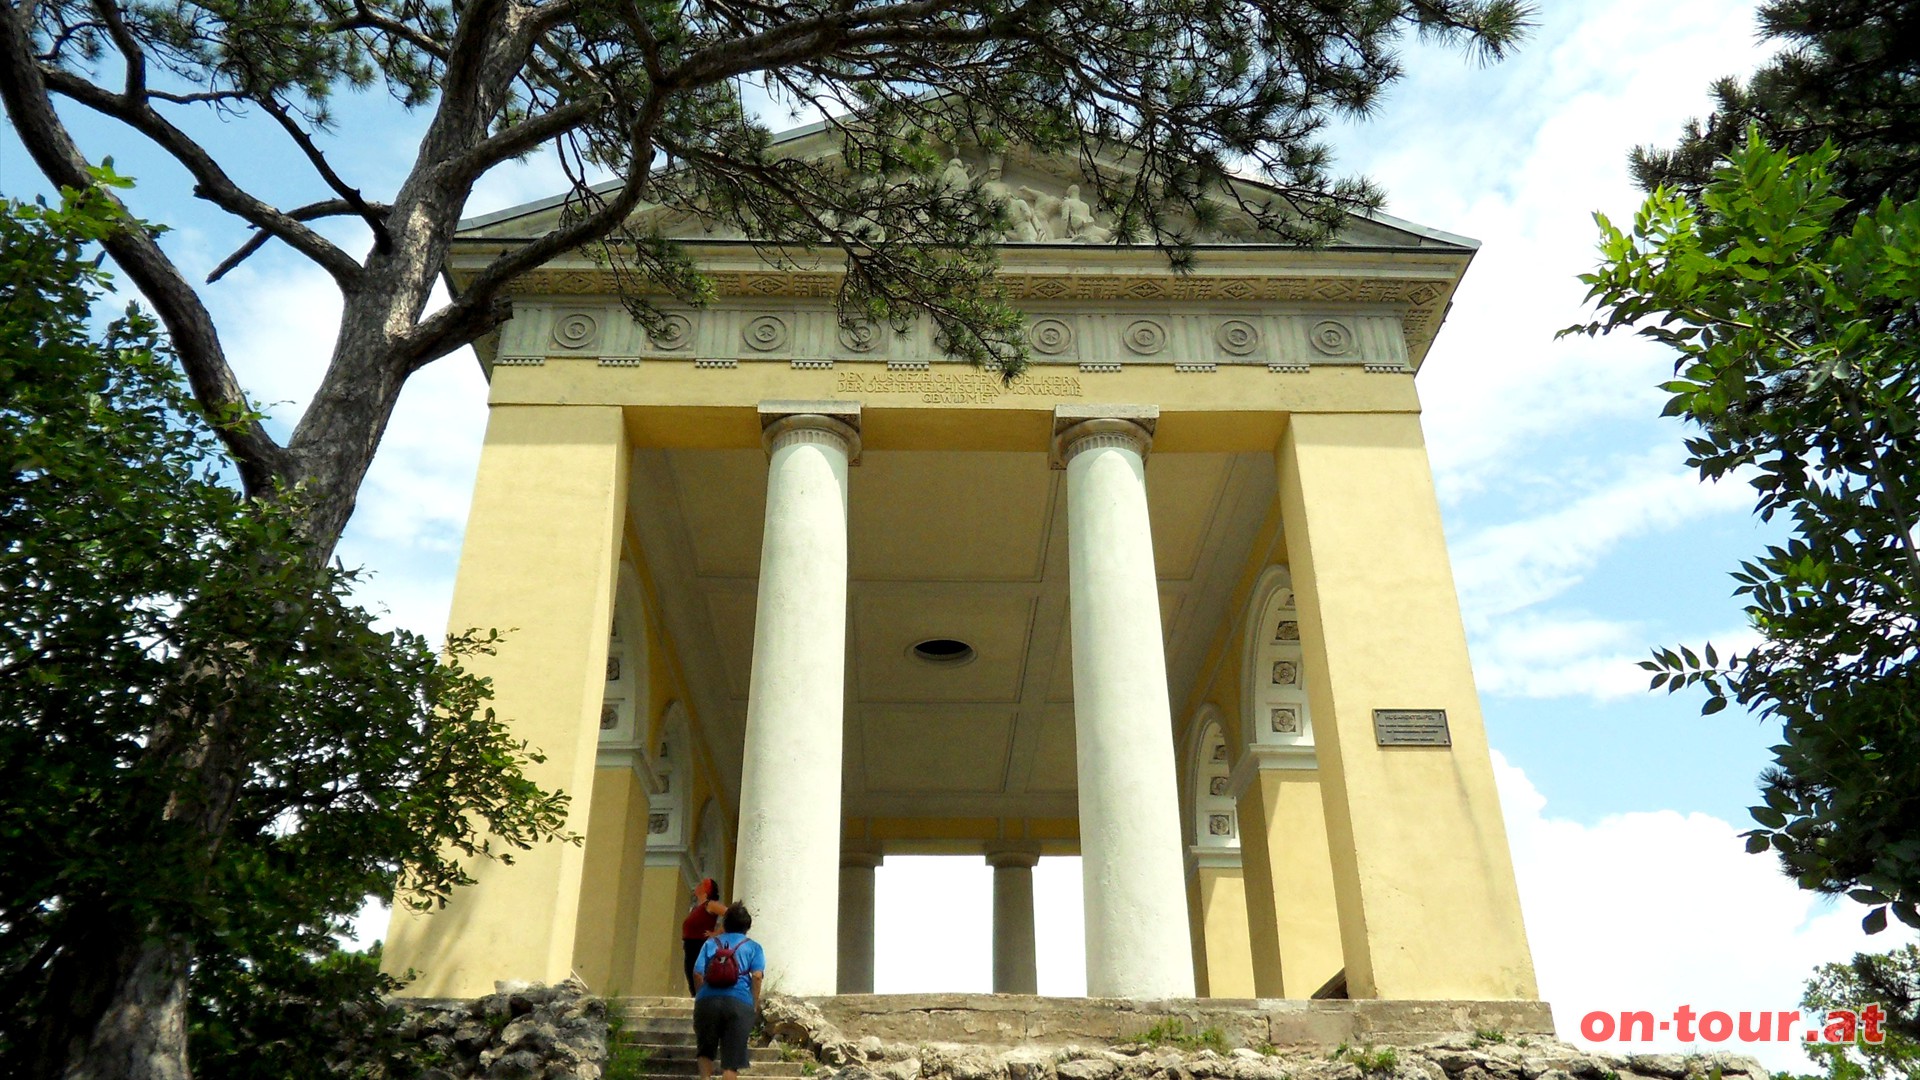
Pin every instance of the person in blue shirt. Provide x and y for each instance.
(723, 1015)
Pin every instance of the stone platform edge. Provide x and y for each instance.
(1012, 1020)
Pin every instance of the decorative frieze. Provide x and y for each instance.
(811, 336)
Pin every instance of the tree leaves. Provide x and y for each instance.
(151, 617)
(1797, 363)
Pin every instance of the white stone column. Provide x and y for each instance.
(856, 920)
(1014, 970)
(788, 869)
(1130, 844)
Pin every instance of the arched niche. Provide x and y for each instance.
(1213, 817)
(624, 708)
(1274, 697)
(667, 825)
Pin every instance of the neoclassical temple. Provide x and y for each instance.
(787, 597)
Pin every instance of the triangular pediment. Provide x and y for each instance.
(1047, 199)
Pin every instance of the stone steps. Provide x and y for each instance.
(663, 1028)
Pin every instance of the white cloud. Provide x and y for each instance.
(1519, 155)
(1654, 910)
(1503, 568)
(1548, 655)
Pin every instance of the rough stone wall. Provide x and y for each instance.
(522, 1031)
(1453, 1057)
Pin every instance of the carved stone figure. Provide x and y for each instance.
(1045, 210)
(1021, 223)
(955, 177)
(1076, 219)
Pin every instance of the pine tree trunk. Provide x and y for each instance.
(143, 1033)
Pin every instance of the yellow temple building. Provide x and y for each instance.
(788, 596)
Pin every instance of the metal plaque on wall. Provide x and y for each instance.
(1411, 727)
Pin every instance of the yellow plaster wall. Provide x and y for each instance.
(1306, 917)
(611, 882)
(664, 901)
(1256, 883)
(656, 952)
(1224, 956)
(1424, 879)
(539, 557)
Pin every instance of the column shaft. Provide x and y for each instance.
(539, 559)
(1014, 968)
(856, 922)
(789, 848)
(1131, 852)
(1424, 880)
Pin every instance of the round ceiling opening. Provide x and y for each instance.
(942, 650)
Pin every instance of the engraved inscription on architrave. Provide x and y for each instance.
(964, 386)
(1411, 727)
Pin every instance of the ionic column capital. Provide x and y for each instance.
(832, 423)
(1085, 427)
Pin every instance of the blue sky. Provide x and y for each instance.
(1579, 538)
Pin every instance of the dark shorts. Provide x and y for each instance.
(722, 1022)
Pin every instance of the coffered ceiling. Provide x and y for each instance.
(964, 545)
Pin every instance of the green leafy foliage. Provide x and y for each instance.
(1794, 328)
(1889, 980)
(203, 743)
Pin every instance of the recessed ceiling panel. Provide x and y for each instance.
(1052, 770)
(886, 626)
(732, 613)
(924, 516)
(724, 496)
(1182, 491)
(942, 749)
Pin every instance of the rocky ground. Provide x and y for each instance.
(523, 1031)
(532, 1032)
(1184, 1055)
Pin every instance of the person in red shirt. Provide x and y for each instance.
(701, 923)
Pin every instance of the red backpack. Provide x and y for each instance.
(723, 968)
